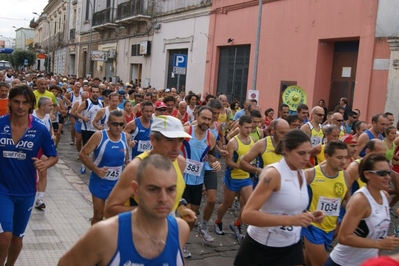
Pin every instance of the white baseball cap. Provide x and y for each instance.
(169, 126)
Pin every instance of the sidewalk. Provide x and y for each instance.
(50, 233)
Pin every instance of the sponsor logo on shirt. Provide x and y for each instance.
(14, 155)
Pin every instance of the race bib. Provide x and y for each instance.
(315, 141)
(330, 206)
(193, 167)
(144, 145)
(113, 172)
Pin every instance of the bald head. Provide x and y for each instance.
(375, 146)
(337, 119)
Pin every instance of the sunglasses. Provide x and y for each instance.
(319, 114)
(380, 172)
(115, 124)
(339, 120)
(354, 117)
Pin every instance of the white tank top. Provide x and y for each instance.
(375, 226)
(291, 199)
(46, 120)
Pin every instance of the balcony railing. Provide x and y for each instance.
(104, 16)
(133, 8)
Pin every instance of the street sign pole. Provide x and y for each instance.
(178, 82)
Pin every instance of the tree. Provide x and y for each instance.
(17, 58)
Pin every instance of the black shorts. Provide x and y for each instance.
(210, 180)
(86, 135)
(252, 253)
(193, 194)
(55, 126)
(61, 119)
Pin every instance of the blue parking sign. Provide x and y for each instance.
(179, 64)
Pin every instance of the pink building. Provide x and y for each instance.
(326, 47)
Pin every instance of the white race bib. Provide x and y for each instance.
(144, 145)
(330, 206)
(193, 167)
(315, 140)
(113, 172)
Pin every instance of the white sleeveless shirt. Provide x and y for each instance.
(291, 199)
(375, 226)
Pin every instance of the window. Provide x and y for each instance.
(135, 50)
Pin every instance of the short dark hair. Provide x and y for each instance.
(244, 119)
(368, 163)
(375, 117)
(357, 125)
(302, 106)
(115, 113)
(292, 118)
(156, 161)
(209, 96)
(205, 107)
(215, 104)
(255, 113)
(146, 103)
(334, 145)
(283, 105)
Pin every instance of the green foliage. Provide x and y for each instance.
(18, 56)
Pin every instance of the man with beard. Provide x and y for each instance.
(196, 151)
(266, 151)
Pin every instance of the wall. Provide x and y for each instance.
(194, 28)
(296, 44)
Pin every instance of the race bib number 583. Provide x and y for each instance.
(193, 167)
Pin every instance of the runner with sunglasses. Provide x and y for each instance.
(366, 223)
(110, 150)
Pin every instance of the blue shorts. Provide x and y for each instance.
(78, 126)
(101, 188)
(14, 213)
(236, 184)
(317, 236)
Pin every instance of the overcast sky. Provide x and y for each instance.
(18, 13)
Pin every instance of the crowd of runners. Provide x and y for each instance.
(302, 178)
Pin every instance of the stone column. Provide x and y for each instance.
(392, 100)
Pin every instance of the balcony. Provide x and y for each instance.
(133, 10)
(104, 18)
(72, 33)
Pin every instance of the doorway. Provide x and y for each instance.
(174, 80)
(343, 76)
(136, 73)
(233, 72)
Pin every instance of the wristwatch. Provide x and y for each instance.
(183, 202)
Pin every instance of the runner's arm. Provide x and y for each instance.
(255, 151)
(99, 115)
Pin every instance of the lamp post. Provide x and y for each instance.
(22, 30)
(257, 41)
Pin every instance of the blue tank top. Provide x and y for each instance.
(371, 136)
(195, 151)
(110, 154)
(126, 253)
(215, 132)
(142, 135)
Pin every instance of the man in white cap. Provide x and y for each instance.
(167, 135)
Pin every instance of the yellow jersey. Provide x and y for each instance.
(320, 157)
(358, 183)
(242, 149)
(326, 194)
(180, 185)
(256, 135)
(269, 156)
(222, 119)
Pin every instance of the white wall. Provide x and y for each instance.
(195, 27)
(387, 18)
